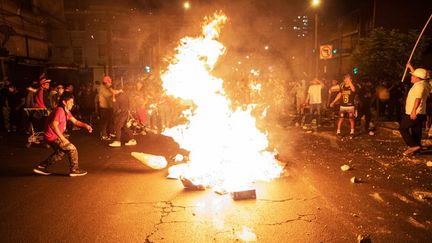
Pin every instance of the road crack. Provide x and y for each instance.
(287, 199)
(165, 208)
(300, 217)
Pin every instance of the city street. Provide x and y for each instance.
(120, 200)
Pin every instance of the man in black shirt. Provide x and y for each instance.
(366, 95)
(347, 93)
(121, 115)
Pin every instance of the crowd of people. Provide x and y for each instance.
(121, 110)
(353, 101)
(117, 111)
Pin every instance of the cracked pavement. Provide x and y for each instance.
(313, 201)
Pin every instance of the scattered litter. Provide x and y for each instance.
(345, 167)
(429, 164)
(423, 195)
(220, 190)
(153, 161)
(188, 184)
(249, 193)
(355, 180)
(364, 239)
(416, 223)
(377, 197)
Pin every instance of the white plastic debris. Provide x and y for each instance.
(429, 164)
(175, 171)
(345, 167)
(152, 161)
(354, 180)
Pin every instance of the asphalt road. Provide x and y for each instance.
(313, 201)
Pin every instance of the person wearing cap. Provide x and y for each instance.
(106, 97)
(105, 107)
(42, 97)
(415, 110)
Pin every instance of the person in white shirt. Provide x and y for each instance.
(415, 110)
(314, 100)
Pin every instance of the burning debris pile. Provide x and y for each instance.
(227, 151)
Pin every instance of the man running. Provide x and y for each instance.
(56, 125)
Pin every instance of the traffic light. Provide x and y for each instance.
(147, 69)
(355, 70)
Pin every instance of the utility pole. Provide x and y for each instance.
(109, 50)
(316, 45)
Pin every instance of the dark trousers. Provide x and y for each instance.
(314, 113)
(364, 110)
(411, 130)
(105, 126)
(120, 127)
(59, 152)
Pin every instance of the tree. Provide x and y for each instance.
(383, 54)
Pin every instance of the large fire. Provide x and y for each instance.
(226, 148)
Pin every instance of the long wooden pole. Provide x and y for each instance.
(415, 46)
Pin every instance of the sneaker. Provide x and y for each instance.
(351, 135)
(115, 144)
(41, 170)
(131, 142)
(411, 150)
(77, 172)
(105, 138)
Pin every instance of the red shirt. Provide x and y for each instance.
(59, 115)
(40, 99)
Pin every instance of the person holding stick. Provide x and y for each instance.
(415, 110)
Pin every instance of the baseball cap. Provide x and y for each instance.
(44, 81)
(420, 73)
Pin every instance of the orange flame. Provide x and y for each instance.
(226, 148)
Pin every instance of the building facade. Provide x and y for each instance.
(25, 30)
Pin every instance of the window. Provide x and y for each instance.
(77, 55)
(125, 58)
(102, 50)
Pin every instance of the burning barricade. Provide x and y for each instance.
(227, 151)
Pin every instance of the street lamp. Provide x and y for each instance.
(186, 5)
(315, 4)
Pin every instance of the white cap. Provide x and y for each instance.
(420, 73)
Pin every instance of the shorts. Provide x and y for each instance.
(350, 110)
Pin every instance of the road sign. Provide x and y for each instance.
(326, 52)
